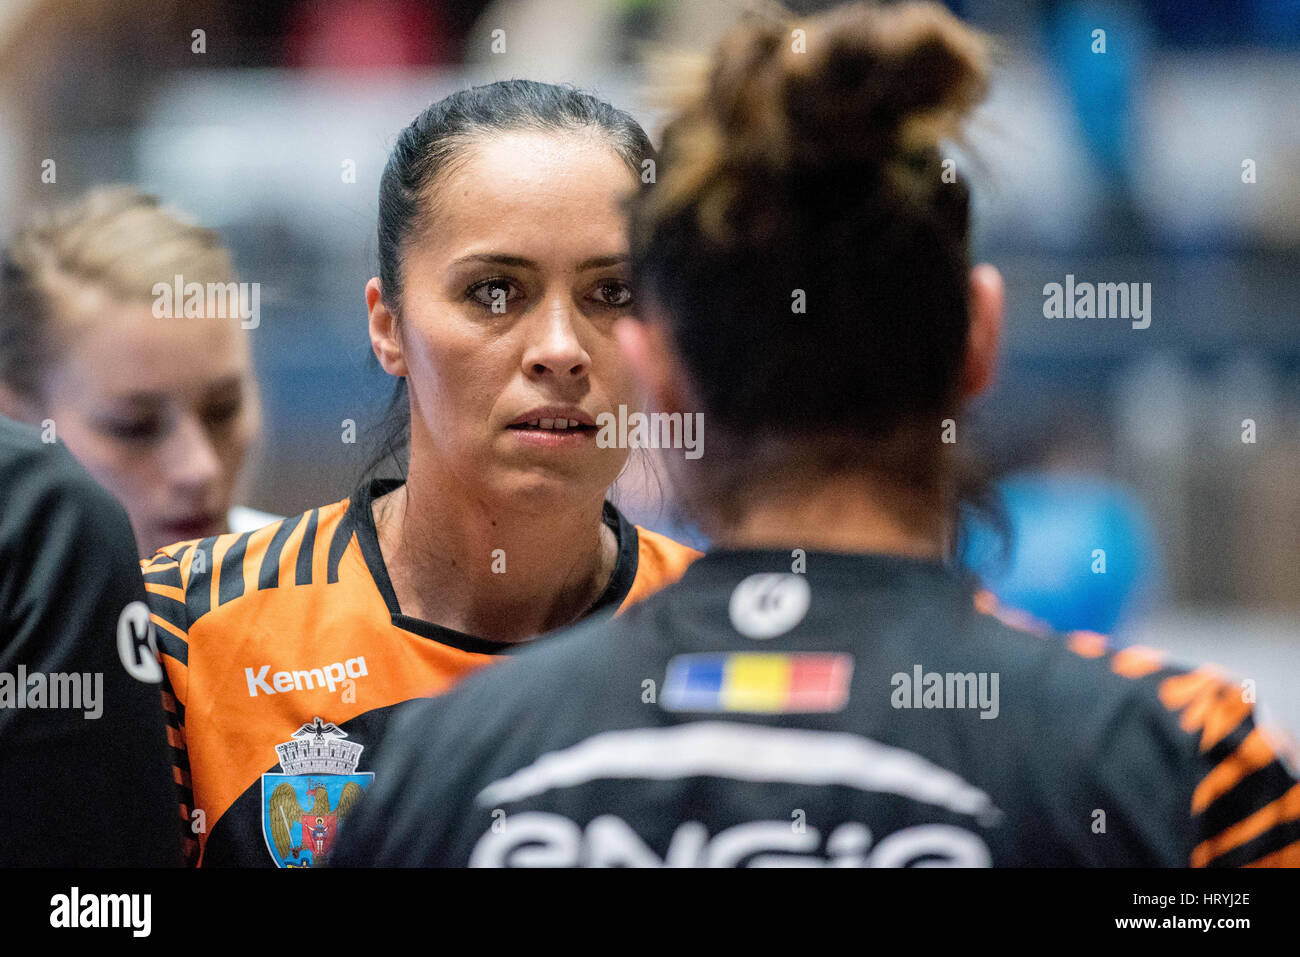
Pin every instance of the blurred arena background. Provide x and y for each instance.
(1122, 166)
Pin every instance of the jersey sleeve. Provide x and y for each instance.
(1246, 805)
(165, 576)
(86, 783)
(391, 826)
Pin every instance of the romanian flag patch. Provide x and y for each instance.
(758, 682)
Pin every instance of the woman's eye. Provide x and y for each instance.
(223, 414)
(494, 293)
(137, 430)
(614, 292)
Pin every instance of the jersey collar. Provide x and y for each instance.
(361, 513)
(860, 568)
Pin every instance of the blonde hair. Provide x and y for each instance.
(115, 239)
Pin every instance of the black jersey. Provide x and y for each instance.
(871, 711)
(85, 774)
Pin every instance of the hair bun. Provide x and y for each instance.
(865, 84)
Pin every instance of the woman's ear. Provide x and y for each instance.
(984, 339)
(383, 331)
(649, 354)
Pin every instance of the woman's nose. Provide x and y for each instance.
(191, 459)
(554, 346)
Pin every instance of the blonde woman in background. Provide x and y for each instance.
(83, 355)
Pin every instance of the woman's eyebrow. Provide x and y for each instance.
(604, 262)
(496, 259)
(230, 383)
(521, 262)
(141, 397)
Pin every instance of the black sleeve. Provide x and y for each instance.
(85, 778)
(423, 809)
(405, 817)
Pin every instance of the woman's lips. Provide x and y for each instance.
(553, 427)
(548, 416)
(552, 438)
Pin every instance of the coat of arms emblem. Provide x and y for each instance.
(304, 807)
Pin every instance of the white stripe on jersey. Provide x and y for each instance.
(745, 752)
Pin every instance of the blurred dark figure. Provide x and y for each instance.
(85, 774)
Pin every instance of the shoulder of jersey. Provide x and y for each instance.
(45, 475)
(188, 580)
(1206, 703)
(660, 562)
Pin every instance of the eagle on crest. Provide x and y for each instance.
(319, 822)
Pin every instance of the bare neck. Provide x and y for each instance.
(504, 574)
(844, 515)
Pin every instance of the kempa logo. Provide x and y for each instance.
(77, 691)
(330, 676)
(654, 430)
(1106, 300)
(75, 909)
(930, 689)
(214, 300)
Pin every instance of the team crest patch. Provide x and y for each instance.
(303, 808)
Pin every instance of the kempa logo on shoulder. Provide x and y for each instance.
(75, 909)
(651, 430)
(213, 300)
(1103, 300)
(82, 691)
(328, 676)
(930, 689)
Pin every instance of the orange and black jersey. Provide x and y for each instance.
(874, 711)
(285, 650)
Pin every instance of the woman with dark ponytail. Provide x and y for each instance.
(503, 267)
(828, 663)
